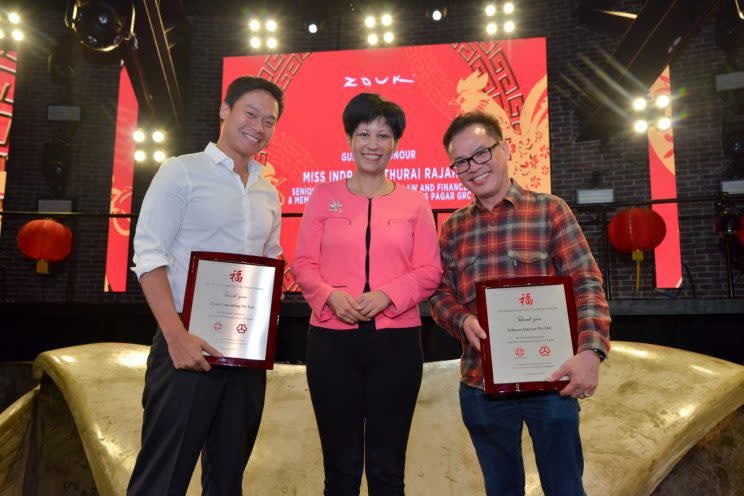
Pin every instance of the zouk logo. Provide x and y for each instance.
(355, 82)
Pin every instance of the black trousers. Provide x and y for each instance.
(216, 413)
(363, 385)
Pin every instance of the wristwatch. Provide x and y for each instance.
(600, 354)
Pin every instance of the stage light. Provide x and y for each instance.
(491, 28)
(101, 25)
(640, 126)
(158, 136)
(17, 35)
(158, 156)
(508, 8)
(14, 18)
(639, 104)
(271, 43)
(664, 123)
(2, 34)
(372, 39)
(436, 15)
(255, 42)
(313, 28)
(140, 156)
(139, 136)
(490, 10)
(369, 21)
(388, 37)
(254, 25)
(271, 25)
(509, 26)
(386, 19)
(663, 101)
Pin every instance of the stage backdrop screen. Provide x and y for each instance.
(432, 83)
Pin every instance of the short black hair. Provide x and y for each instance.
(245, 84)
(467, 119)
(367, 107)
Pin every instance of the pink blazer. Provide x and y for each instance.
(403, 255)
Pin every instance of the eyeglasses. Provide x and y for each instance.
(480, 157)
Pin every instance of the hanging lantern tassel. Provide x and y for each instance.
(638, 258)
(42, 267)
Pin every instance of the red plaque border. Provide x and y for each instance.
(233, 258)
(486, 359)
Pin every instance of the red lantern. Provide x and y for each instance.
(636, 230)
(44, 240)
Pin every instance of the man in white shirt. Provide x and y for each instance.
(215, 200)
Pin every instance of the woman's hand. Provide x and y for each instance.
(345, 308)
(372, 303)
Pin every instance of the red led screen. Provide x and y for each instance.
(432, 84)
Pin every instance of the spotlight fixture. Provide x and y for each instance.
(663, 101)
(652, 112)
(312, 27)
(491, 28)
(147, 141)
(373, 38)
(256, 26)
(10, 23)
(509, 26)
(663, 123)
(101, 25)
(436, 15)
(640, 126)
(508, 8)
(490, 10)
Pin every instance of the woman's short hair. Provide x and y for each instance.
(367, 107)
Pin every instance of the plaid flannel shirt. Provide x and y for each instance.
(527, 234)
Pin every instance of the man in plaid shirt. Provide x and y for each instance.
(508, 231)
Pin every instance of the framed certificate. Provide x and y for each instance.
(232, 302)
(530, 323)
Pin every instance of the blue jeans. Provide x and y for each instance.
(495, 427)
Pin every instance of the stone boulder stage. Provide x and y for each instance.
(79, 432)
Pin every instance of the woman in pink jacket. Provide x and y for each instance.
(367, 255)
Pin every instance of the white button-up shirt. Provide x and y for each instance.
(197, 203)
